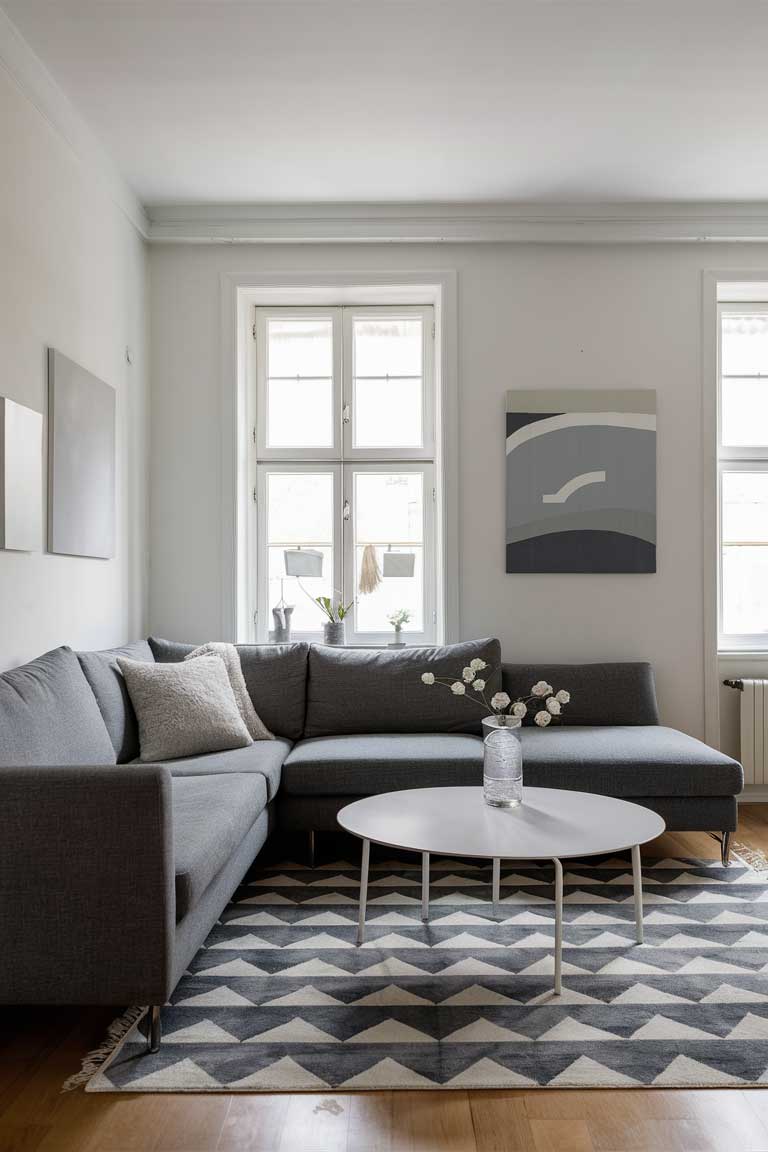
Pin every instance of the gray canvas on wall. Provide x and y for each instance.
(81, 465)
(581, 480)
(21, 477)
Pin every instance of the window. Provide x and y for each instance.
(743, 477)
(345, 494)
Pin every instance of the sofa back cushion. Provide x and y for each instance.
(49, 715)
(108, 686)
(358, 690)
(601, 694)
(275, 676)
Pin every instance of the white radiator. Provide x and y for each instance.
(754, 731)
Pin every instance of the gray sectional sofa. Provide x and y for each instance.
(112, 872)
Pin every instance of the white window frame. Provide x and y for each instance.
(386, 468)
(343, 459)
(749, 458)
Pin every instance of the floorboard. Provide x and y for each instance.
(40, 1047)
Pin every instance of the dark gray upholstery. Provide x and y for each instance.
(48, 715)
(211, 816)
(627, 761)
(108, 686)
(263, 757)
(381, 763)
(352, 691)
(275, 676)
(86, 885)
(601, 694)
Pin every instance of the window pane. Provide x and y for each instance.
(744, 348)
(299, 515)
(300, 383)
(744, 412)
(388, 383)
(745, 553)
(389, 525)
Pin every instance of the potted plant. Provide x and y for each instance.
(333, 628)
(397, 619)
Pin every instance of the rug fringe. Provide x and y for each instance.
(97, 1057)
(755, 857)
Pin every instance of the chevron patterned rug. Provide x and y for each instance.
(281, 999)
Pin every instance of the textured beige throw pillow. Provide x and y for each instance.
(184, 709)
(231, 657)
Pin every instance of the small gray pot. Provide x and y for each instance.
(333, 633)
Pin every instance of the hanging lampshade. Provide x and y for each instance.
(398, 564)
(303, 562)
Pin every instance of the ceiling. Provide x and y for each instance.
(289, 101)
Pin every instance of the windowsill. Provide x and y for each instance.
(759, 654)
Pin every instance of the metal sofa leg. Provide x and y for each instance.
(725, 848)
(311, 848)
(154, 1029)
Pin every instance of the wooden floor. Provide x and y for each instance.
(39, 1048)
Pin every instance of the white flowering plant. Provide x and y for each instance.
(543, 701)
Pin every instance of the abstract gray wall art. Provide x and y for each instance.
(81, 465)
(21, 477)
(581, 480)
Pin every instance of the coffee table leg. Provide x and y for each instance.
(637, 876)
(558, 926)
(425, 885)
(363, 890)
(496, 887)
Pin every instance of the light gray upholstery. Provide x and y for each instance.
(211, 816)
(353, 691)
(49, 715)
(601, 694)
(275, 675)
(642, 760)
(264, 757)
(108, 686)
(381, 763)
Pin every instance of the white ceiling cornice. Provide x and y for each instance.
(639, 223)
(35, 81)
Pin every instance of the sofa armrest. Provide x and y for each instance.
(87, 903)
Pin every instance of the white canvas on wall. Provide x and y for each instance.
(21, 477)
(81, 464)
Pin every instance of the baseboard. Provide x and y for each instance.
(754, 794)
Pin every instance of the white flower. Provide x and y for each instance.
(467, 675)
(500, 701)
(479, 685)
(553, 705)
(542, 719)
(541, 689)
(477, 665)
(519, 710)
(458, 688)
(427, 677)
(563, 696)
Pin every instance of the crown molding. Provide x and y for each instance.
(36, 83)
(619, 223)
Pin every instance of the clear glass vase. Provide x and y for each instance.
(502, 762)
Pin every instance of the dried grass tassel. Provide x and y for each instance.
(97, 1057)
(370, 574)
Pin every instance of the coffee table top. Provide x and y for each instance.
(457, 822)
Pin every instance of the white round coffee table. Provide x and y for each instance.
(551, 824)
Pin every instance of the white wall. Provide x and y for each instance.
(72, 275)
(529, 316)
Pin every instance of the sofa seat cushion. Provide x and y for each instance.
(366, 765)
(108, 686)
(211, 815)
(637, 760)
(49, 715)
(263, 758)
